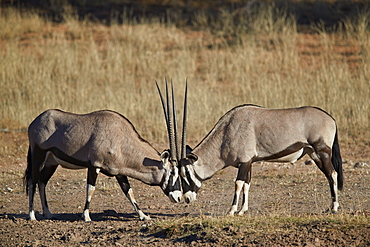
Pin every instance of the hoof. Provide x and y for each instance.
(32, 216)
(146, 218)
(330, 211)
(86, 219)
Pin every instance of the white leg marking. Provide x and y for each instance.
(335, 203)
(32, 215)
(30, 199)
(245, 205)
(89, 193)
(238, 188)
(130, 196)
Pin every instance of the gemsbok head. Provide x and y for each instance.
(103, 142)
(248, 134)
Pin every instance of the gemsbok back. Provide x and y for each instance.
(248, 134)
(102, 141)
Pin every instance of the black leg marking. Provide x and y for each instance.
(45, 176)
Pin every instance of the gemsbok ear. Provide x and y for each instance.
(188, 149)
(192, 157)
(165, 155)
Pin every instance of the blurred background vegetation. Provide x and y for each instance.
(86, 55)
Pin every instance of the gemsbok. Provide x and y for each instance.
(248, 134)
(103, 142)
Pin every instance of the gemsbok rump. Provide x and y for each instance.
(102, 141)
(248, 134)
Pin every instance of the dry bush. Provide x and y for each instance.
(81, 66)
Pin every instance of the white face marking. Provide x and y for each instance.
(165, 182)
(175, 196)
(97, 170)
(175, 177)
(190, 196)
(183, 175)
(190, 169)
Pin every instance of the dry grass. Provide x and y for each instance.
(81, 67)
(259, 228)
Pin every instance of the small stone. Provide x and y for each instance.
(360, 165)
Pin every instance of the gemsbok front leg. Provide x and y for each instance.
(126, 188)
(242, 183)
(246, 187)
(92, 175)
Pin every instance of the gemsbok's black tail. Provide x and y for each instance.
(336, 160)
(28, 172)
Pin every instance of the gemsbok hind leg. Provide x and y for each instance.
(126, 188)
(242, 181)
(45, 175)
(31, 195)
(35, 159)
(322, 158)
(92, 175)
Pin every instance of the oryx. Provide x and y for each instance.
(102, 141)
(248, 134)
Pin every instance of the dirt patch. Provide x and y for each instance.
(286, 207)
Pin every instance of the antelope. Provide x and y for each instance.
(248, 134)
(103, 142)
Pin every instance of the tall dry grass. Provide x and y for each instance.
(81, 66)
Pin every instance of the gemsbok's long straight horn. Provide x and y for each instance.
(175, 123)
(169, 116)
(183, 143)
